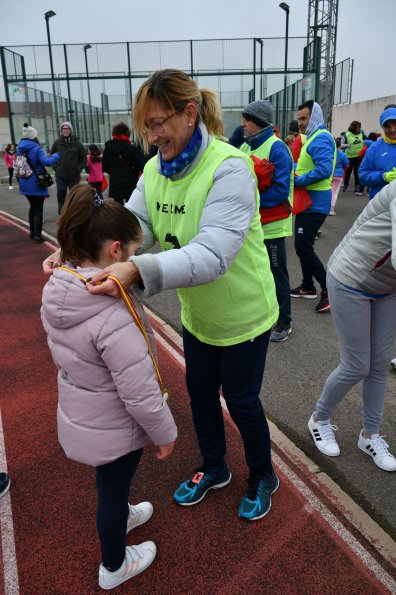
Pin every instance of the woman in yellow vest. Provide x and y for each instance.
(353, 143)
(198, 198)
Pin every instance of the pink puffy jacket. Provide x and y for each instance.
(9, 159)
(110, 402)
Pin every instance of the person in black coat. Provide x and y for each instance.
(123, 162)
(72, 161)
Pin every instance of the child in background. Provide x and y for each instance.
(289, 140)
(94, 169)
(110, 403)
(372, 137)
(341, 164)
(9, 158)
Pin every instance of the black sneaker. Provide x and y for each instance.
(280, 332)
(300, 291)
(323, 305)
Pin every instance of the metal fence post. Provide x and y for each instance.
(7, 94)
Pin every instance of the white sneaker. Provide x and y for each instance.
(393, 363)
(323, 435)
(137, 559)
(138, 515)
(377, 448)
(10, 187)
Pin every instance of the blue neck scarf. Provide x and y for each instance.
(170, 168)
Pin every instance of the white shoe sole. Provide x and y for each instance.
(306, 297)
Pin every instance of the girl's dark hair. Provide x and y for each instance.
(95, 153)
(83, 227)
(8, 147)
(354, 125)
(372, 136)
(338, 141)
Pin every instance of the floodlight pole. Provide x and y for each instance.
(286, 8)
(86, 48)
(47, 16)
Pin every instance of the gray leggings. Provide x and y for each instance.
(366, 331)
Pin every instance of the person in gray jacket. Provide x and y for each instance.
(361, 281)
(72, 161)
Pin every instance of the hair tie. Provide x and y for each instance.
(98, 200)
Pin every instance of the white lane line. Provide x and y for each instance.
(11, 585)
(172, 352)
(360, 552)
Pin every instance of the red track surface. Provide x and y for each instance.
(202, 549)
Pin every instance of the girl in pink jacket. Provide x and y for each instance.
(110, 402)
(94, 168)
(9, 158)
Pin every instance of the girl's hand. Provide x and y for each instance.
(53, 261)
(126, 272)
(165, 451)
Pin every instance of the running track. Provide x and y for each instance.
(309, 543)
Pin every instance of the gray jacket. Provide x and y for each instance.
(228, 211)
(110, 402)
(366, 257)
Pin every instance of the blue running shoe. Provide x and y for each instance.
(256, 503)
(194, 490)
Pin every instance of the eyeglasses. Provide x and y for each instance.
(158, 126)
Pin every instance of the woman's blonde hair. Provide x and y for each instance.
(174, 89)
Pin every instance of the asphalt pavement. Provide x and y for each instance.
(296, 369)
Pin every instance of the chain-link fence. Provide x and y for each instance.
(92, 85)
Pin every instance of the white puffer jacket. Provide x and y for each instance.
(366, 257)
(110, 402)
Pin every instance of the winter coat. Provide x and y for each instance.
(380, 157)
(95, 173)
(9, 159)
(73, 158)
(38, 160)
(123, 162)
(366, 257)
(110, 402)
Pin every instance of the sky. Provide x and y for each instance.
(362, 33)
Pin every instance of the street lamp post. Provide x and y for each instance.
(87, 47)
(47, 16)
(286, 8)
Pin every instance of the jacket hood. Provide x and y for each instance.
(116, 145)
(25, 144)
(67, 302)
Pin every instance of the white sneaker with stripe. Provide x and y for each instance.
(377, 448)
(137, 559)
(323, 434)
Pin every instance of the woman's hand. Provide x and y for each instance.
(165, 451)
(53, 261)
(126, 272)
